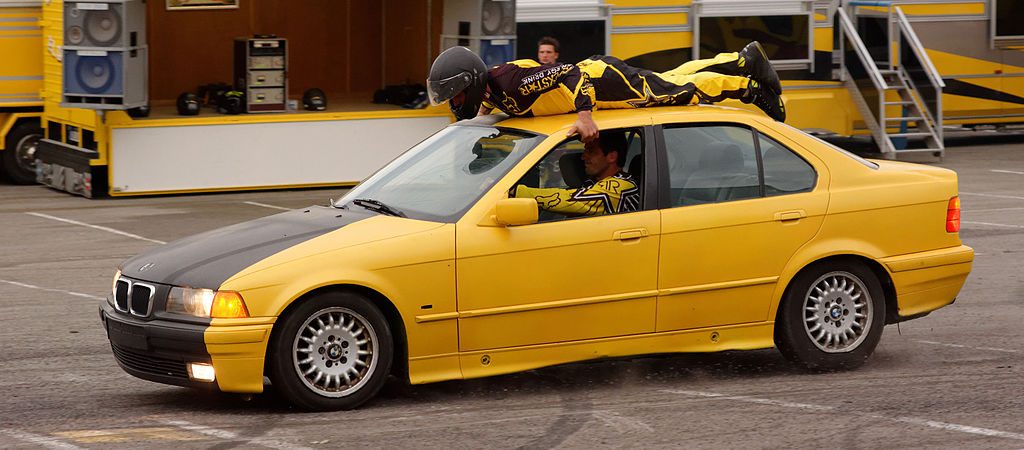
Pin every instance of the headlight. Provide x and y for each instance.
(206, 303)
(113, 288)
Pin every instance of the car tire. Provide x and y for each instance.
(19, 152)
(331, 352)
(831, 317)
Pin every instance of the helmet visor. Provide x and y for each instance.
(441, 91)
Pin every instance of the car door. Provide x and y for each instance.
(728, 226)
(561, 279)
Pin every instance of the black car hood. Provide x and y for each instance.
(208, 259)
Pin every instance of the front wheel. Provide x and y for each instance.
(19, 153)
(831, 317)
(332, 352)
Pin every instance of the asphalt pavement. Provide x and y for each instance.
(952, 379)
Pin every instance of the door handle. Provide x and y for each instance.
(795, 214)
(625, 235)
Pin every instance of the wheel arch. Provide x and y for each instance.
(880, 272)
(13, 120)
(400, 364)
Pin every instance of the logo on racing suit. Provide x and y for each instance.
(543, 80)
(509, 104)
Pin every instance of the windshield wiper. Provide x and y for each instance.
(376, 206)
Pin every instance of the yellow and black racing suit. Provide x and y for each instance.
(617, 193)
(526, 88)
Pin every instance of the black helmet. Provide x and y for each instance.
(230, 102)
(458, 70)
(188, 104)
(314, 100)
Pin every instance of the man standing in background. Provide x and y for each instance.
(547, 50)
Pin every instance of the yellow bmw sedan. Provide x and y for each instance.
(720, 230)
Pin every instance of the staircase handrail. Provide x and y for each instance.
(915, 44)
(860, 50)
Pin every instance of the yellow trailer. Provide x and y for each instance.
(897, 69)
(21, 78)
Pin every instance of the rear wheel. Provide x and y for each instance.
(831, 317)
(332, 352)
(20, 152)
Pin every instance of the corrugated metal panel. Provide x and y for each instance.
(560, 10)
(749, 8)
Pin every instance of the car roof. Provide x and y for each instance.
(613, 118)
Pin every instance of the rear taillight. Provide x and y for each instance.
(953, 215)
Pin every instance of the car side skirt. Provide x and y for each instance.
(485, 363)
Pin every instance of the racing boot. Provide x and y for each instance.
(763, 97)
(754, 62)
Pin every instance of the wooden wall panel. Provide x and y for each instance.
(348, 48)
(189, 48)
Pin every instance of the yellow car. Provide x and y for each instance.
(747, 234)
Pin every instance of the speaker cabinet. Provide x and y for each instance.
(105, 24)
(487, 27)
(479, 18)
(261, 72)
(104, 79)
(105, 63)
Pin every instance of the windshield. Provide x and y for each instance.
(441, 177)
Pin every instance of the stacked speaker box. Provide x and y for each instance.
(105, 55)
(487, 27)
(261, 73)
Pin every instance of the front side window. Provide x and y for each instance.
(709, 164)
(442, 177)
(573, 180)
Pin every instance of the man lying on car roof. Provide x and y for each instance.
(527, 88)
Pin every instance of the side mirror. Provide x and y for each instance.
(516, 211)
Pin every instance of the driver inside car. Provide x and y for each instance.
(607, 189)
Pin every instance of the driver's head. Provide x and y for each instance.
(604, 156)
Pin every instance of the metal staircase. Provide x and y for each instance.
(902, 102)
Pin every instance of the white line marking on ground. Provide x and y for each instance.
(994, 349)
(618, 421)
(992, 195)
(223, 434)
(912, 420)
(955, 427)
(744, 398)
(992, 210)
(32, 286)
(992, 224)
(267, 206)
(44, 441)
(96, 227)
(1008, 171)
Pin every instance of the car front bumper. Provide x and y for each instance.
(161, 350)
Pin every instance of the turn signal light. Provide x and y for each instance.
(228, 305)
(953, 215)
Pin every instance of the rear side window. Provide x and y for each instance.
(784, 171)
(713, 163)
(708, 164)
